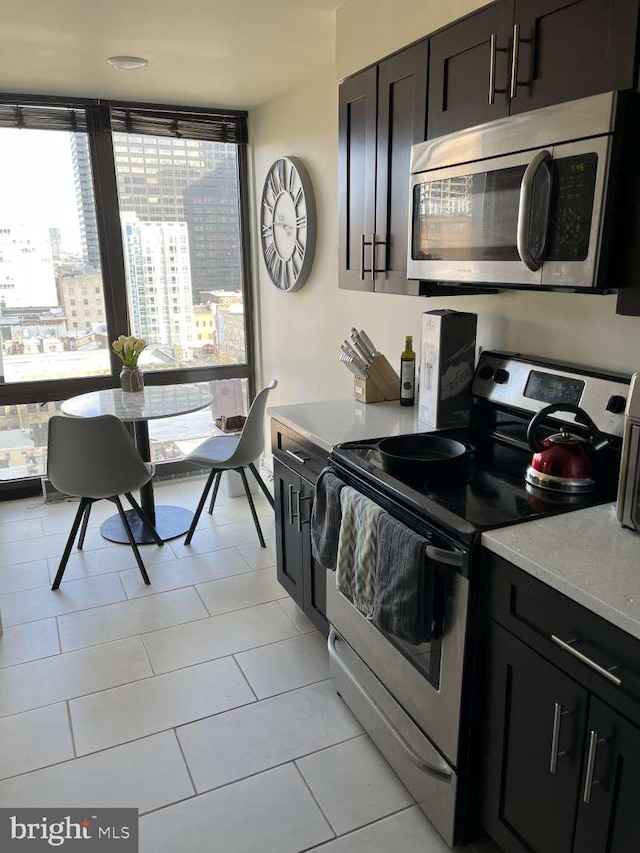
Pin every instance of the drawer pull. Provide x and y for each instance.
(301, 459)
(567, 646)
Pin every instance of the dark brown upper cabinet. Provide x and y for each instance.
(357, 177)
(382, 114)
(568, 49)
(520, 55)
(469, 70)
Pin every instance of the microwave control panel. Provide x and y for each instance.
(574, 182)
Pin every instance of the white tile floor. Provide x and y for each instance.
(203, 699)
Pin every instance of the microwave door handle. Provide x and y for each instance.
(524, 211)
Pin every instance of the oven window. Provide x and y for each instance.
(467, 218)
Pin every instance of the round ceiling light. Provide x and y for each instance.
(128, 63)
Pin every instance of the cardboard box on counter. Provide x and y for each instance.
(447, 360)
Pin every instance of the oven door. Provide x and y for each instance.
(533, 218)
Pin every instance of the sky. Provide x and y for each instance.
(36, 183)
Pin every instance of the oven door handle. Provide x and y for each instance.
(442, 555)
(540, 160)
(441, 771)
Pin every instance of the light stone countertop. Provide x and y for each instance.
(584, 554)
(331, 422)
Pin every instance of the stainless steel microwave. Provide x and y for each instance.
(518, 202)
(629, 488)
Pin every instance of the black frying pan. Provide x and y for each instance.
(427, 456)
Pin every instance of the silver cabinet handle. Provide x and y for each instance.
(524, 211)
(293, 514)
(301, 459)
(299, 513)
(515, 55)
(362, 270)
(441, 555)
(493, 50)
(441, 771)
(568, 647)
(558, 714)
(589, 784)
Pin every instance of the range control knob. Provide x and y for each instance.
(616, 404)
(501, 376)
(486, 372)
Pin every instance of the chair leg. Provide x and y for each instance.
(215, 493)
(263, 544)
(198, 512)
(67, 551)
(132, 541)
(83, 529)
(143, 518)
(262, 485)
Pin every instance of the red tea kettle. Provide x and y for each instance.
(563, 461)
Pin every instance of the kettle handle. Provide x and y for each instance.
(581, 417)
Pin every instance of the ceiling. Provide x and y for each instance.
(228, 53)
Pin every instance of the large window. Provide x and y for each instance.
(118, 219)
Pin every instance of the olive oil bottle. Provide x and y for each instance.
(408, 373)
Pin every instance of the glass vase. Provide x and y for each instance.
(131, 379)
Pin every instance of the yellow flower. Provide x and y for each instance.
(117, 346)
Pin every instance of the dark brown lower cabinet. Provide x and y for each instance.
(298, 572)
(610, 820)
(561, 769)
(535, 722)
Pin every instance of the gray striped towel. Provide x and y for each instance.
(356, 562)
(325, 519)
(405, 584)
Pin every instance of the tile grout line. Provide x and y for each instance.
(57, 635)
(244, 675)
(204, 603)
(73, 736)
(313, 797)
(184, 758)
(147, 658)
(351, 832)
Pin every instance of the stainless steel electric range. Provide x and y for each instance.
(415, 700)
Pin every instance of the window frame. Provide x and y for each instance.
(102, 156)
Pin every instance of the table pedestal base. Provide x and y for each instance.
(171, 522)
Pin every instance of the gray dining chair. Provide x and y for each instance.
(234, 453)
(95, 459)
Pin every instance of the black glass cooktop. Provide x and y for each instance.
(488, 491)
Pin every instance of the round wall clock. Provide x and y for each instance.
(288, 224)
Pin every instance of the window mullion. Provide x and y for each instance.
(108, 221)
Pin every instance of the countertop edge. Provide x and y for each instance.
(616, 617)
(314, 439)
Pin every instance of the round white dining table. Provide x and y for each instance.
(154, 401)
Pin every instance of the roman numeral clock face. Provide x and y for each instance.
(288, 224)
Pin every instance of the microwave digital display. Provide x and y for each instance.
(549, 388)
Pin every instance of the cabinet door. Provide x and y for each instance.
(535, 724)
(289, 559)
(315, 581)
(572, 49)
(402, 116)
(610, 821)
(469, 64)
(357, 179)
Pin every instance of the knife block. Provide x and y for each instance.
(381, 383)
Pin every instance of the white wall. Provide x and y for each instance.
(300, 332)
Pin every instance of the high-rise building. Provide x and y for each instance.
(156, 258)
(83, 179)
(166, 179)
(26, 268)
(82, 300)
(55, 238)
